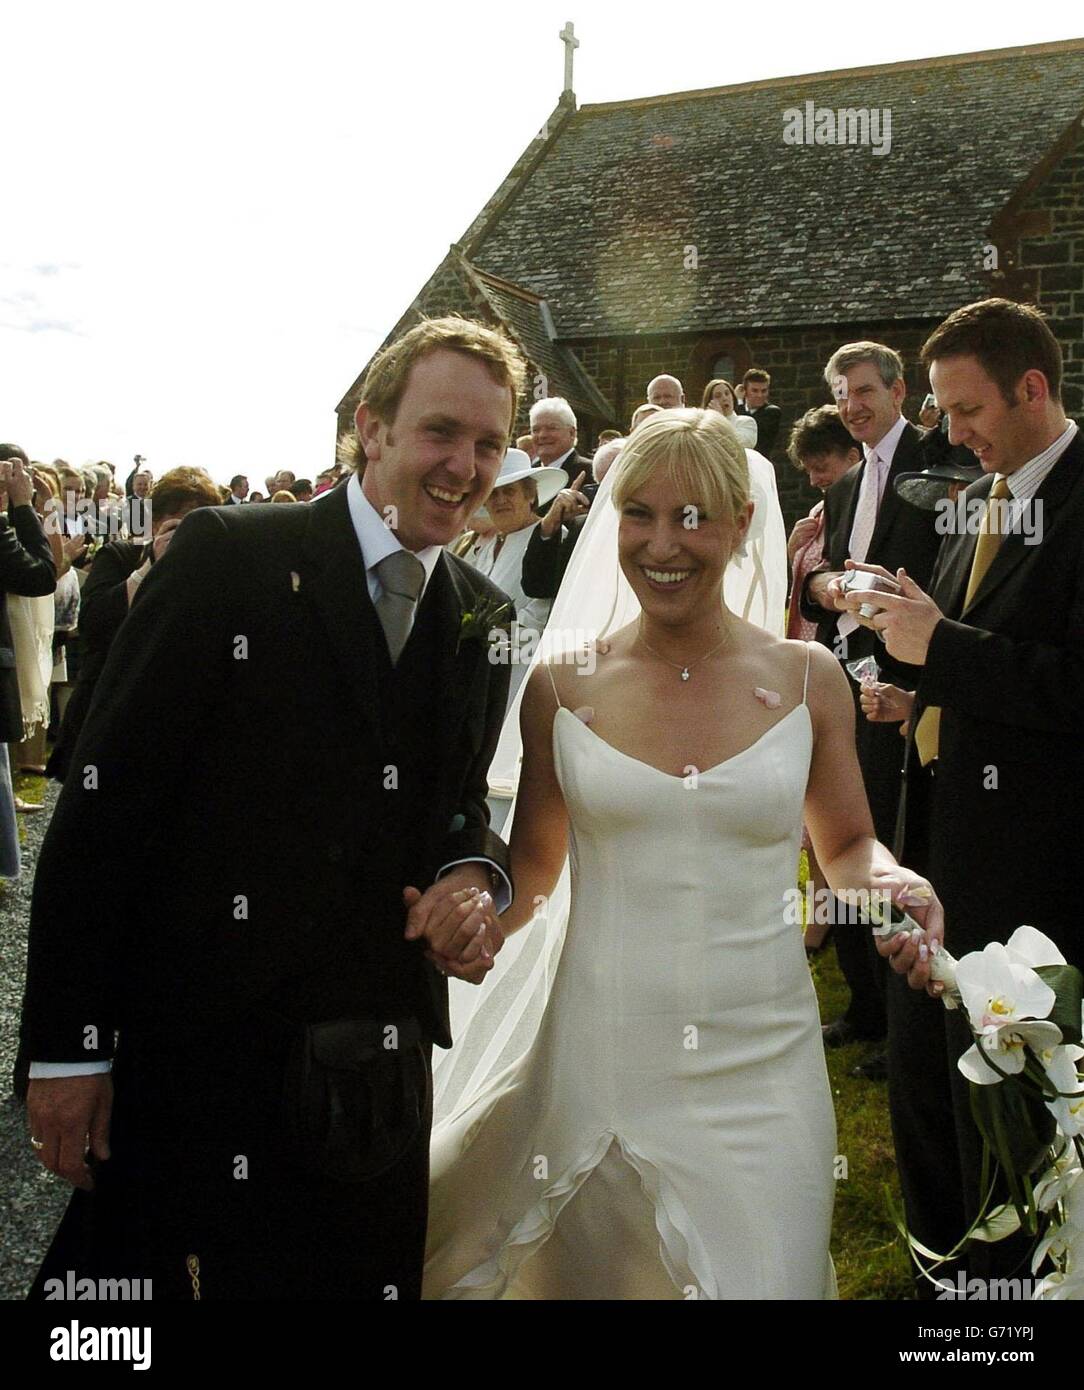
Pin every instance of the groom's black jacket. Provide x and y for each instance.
(279, 783)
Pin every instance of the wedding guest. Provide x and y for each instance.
(238, 490)
(553, 541)
(137, 508)
(112, 583)
(821, 447)
(553, 432)
(27, 569)
(256, 497)
(996, 637)
(642, 413)
(513, 506)
(719, 395)
(606, 437)
(756, 383)
(526, 443)
(666, 392)
(864, 519)
(283, 496)
(302, 489)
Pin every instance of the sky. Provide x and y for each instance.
(214, 213)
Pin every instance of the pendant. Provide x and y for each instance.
(685, 673)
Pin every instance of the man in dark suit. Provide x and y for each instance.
(998, 644)
(316, 676)
(866, 520)
(554, 430)
(756, 383)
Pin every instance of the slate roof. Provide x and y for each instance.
(596, 216)
(458, 285)
(525, 316)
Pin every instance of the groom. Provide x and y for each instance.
(231, 1061)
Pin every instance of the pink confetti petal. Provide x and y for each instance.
(585, 713)
(771, 698)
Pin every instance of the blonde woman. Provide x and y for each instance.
(669, 1132)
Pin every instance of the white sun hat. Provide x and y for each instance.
(517, 465)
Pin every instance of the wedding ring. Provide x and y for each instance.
(37, 1143)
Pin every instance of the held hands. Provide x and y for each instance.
(911, 955)
(907, 619)
(69, 1115)
(457, 920)
(569, 502)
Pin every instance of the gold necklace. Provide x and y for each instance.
(677, 664)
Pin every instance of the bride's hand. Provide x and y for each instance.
(910, 955)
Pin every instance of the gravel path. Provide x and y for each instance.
(33, 1200)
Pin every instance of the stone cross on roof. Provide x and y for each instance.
(571, 43)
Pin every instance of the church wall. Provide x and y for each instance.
(1051, 259)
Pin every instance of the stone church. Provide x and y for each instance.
(763, 224)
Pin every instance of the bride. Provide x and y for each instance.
(640, 1108)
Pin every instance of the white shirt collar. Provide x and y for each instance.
(886, 448)
(378, 541)
(1025, 482)
(559, 463)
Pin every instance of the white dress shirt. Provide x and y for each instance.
(1026, 481)
(376, 541)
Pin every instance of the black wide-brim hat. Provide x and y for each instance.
(926, 489)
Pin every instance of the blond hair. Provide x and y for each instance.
(698, 451)
(386, 379)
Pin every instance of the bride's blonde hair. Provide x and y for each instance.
(700, 454)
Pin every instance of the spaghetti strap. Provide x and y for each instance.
(805, 683)
(549, 672)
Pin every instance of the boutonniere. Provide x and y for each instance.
(475, 625)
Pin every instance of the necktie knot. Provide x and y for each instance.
(401, 573)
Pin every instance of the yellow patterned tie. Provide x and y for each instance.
(990, 536)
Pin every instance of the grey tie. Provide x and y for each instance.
(401, 578)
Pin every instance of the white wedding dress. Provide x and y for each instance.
(670, 1131)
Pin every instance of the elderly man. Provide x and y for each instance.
(553, 432)
(666, 392)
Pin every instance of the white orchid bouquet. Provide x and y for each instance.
(1023, 1002)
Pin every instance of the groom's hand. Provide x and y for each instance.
(456, 917)
(70, 1114)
